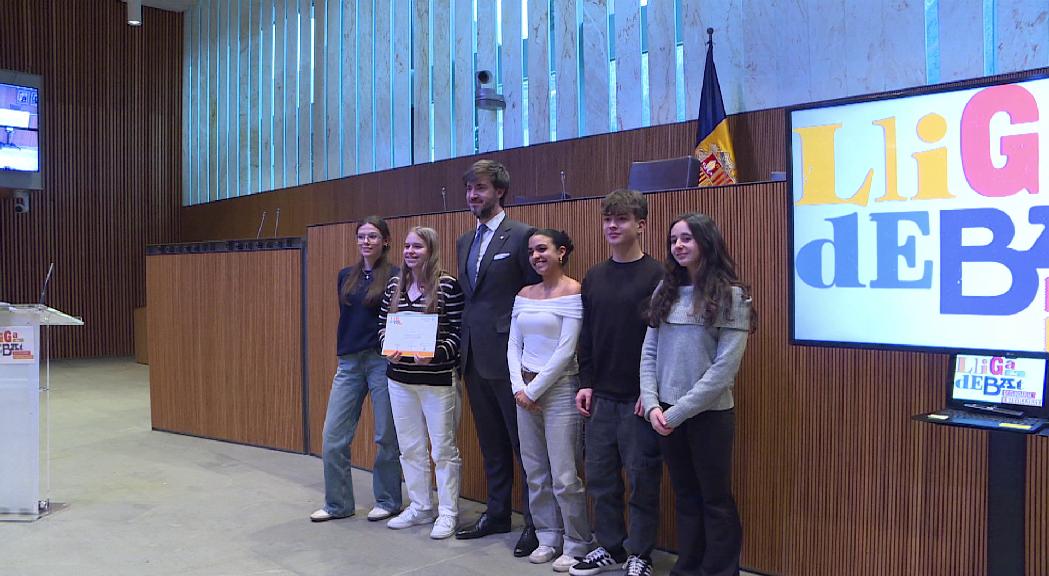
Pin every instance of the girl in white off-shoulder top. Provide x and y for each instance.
(544, 329)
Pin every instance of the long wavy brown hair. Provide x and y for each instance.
(429, 273)
(713, 281)
(381, 271)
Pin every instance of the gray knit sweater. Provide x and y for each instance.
(690, 365)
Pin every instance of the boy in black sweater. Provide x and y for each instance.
(609, 352)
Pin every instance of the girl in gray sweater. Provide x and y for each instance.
(699, 319)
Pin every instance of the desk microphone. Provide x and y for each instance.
(276, 223)
(261, 222)
(564, 194)
(444, 197)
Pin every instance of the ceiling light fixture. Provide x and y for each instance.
(134, 12)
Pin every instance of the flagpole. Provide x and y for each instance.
(710, 36)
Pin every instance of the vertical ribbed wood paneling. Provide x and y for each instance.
(111, 111)
(225, 347)
(831, 475)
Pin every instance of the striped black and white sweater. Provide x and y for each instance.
(440, 370)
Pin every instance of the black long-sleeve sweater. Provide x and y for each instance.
(609, 351)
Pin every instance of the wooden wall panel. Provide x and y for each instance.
(593, 166)
(831, 474)
(205, 311)
(111, 155)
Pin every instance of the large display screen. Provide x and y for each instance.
(918, 221)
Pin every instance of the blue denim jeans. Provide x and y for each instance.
(359, 374)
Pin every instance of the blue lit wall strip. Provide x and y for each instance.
(990, 37)
(932, 41)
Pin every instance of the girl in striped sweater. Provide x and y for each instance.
(423, 392)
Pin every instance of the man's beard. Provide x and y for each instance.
(485, 212)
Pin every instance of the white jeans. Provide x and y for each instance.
(421, 413)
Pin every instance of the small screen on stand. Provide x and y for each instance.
(19, 128)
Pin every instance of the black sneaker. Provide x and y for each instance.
(597, 561)
(637, 566)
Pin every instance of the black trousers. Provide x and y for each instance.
(618, 440)
(495, 417)
(698, 455)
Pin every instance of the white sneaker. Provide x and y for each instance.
(542, 555)
(323, 515)
(443, 527)
(564, 563)
(379, 513)
(410, 517)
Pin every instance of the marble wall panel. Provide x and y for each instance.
(961, 39)
(513, 75)
(595, 88)
(383, 86)
(348, 100)
(221, 87)
(885, 45)
(442, 79)
(463, 107)
(266, 97)
(202, 112)
(487, 59)
(730, 44)
(332, 97)
(662, 63)
(365, 86)
(420, 114)
(280, 81)
(1023, 35)
(304, 122)
(538, 72)
(566, 65)
(319, 109)
(824, 26)
(190, 158)
(628, 64)
(401, 82)
(255, 97)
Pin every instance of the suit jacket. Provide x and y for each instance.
(505, 269)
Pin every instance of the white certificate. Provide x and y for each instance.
(411, 334)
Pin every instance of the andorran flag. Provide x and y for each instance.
(717, 161)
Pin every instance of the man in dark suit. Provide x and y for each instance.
(493, 267)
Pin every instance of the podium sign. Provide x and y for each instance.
(20, 424)
(23, 394)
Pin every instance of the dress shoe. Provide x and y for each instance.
(484, 526)
(527, 543)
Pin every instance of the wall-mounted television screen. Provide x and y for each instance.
(918, 220)
(20, 130)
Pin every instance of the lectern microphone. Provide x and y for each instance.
(47, 280)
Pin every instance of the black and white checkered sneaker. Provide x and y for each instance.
(637, 566)
(597, 561)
